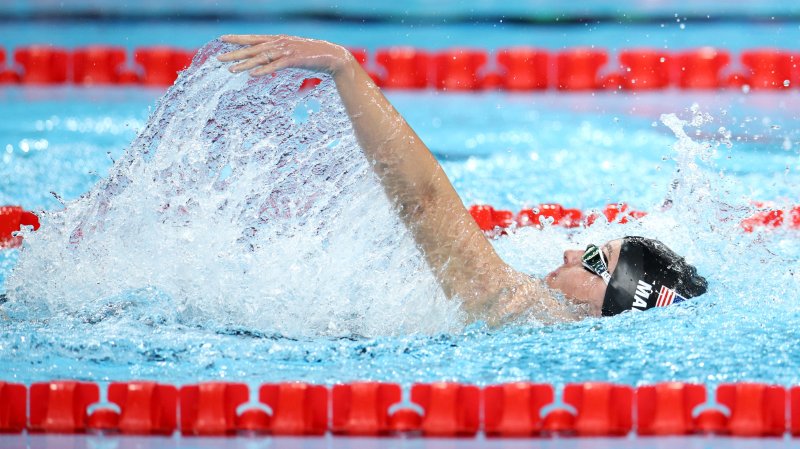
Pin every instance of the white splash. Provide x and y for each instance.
(243, 202)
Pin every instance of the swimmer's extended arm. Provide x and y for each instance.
(460, 256)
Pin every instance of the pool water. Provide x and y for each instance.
(511, 151)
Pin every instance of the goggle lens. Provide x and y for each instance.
(595, 261)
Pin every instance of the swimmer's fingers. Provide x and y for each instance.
(272, 67)
(237, 55)
(246, 52)
(287, 51)
(259, 59)
(250, 39)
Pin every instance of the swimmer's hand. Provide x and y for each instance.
(265, 54)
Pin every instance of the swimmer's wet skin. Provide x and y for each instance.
(639, 273)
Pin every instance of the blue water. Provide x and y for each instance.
(500, 149)
(624, 9)
(674, 34)
(583, 150)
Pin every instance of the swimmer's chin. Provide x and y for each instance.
(550, 278)
(579, 308)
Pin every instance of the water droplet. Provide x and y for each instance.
(746, 89)
(786, 83)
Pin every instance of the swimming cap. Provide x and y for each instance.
(647, 275)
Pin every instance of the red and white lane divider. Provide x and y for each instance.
(491, 220)
(11, 219)
(443, 409)
(455, 69)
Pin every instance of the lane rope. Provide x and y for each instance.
(454, 69)
(440, 409)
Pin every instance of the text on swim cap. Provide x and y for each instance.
(643, 291)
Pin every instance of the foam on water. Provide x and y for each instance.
(241, 203)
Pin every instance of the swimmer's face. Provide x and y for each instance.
(577, 283)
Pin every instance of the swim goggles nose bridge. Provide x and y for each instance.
(595, 261)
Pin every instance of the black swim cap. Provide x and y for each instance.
(647, 275)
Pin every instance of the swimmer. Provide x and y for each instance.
(629, 274)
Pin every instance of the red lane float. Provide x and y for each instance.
(617, 213)
(42, 64)
(97, 65)
(405, 420)
(7, 76)
(11, 219)
(757, 410)
(490, 219)
(451, 409)
(458, 69)
(210, 408)
(524, 68)
(362, 408)
(162, 64)
(310, 83)
(549, 214)
(701, 68)
(493, 220)
(603, 409)
(579, 69)
(644, 69)
(794, 426)
(13, 401)
(518, 68)
(61, 406)
(768, 68)
(297, 408)
(769, 215)
(711, 421)
(253, 421)
(666, 408)
(514, 409)
(146, 408)
(405, 68)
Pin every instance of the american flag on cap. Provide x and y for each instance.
(668, 296)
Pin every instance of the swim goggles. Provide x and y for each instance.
(595, 261)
